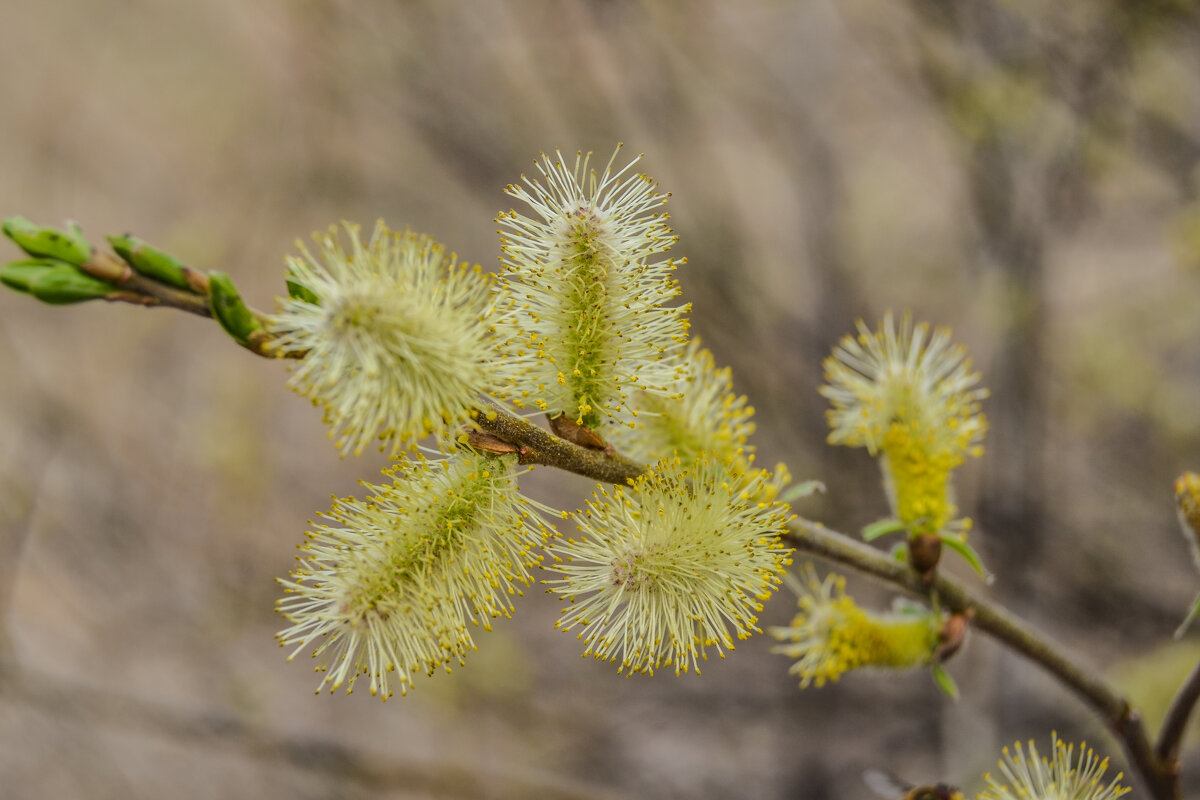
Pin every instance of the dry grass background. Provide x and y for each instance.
(1025, 172)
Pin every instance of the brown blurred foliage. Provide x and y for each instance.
(1023, 171)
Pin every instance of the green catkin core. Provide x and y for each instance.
(584, 344)
(450, 523)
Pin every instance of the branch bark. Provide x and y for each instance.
(536, 445)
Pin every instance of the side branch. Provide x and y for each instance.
(816, 539)
(1171, 734)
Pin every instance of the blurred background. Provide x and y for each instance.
(1025, 172)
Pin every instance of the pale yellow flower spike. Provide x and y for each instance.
(392, 336)
(1187, 500)
(701, 415)
(679, 562)
(582, 316)
(1061, 777)
(832, 635)
(911, 399)
(388, 590)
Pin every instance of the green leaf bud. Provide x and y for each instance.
(228, 308)
(62, 284)
(945, 682)
(148, 260)
(68, 245)
(882, 528)
(19, 274)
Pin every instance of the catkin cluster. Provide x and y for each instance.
(398, 342)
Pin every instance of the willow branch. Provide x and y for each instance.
(1171, 734)
(538, 446)
(535, 445)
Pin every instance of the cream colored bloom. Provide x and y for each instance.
(910, 398)
(392, 584)
(678, 562)
(392, 335)
(832, 635)
(583, 319)
(1061, 777)
(701, 416)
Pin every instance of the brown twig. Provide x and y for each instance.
(1170, 736)
(536, 445)
(139, 289)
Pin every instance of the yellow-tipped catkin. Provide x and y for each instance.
(389, 588)
(582, 317)
(832, 635)
(701, 415)
(1187, 500)
(911, 399)
(677, 563)
(1030, 776)
(391, 335)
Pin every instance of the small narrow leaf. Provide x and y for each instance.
(228, 308)
(945, 682)
(1189, 619)
(799, 490)
(882, 528)
(298, 291)
(968, 554)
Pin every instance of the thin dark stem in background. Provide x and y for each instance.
(1175, 723)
